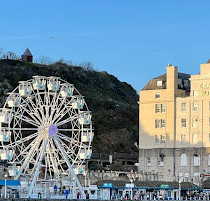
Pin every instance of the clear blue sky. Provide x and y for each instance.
(131, 39)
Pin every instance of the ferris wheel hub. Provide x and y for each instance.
(52, 130)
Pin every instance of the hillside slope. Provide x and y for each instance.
(113, 103)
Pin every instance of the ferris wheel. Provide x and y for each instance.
(46, 131)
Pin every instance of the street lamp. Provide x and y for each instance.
(131, 189)
(180, 189)
(5, 186)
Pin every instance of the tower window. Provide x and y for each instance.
(159, 83)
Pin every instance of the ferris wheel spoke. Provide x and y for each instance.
(56, 155)
(36, 111)
(24, 118)
(68, 139)
(55, 169)
(34, 146)
(69, 165)
(61, 113)
(69, 129)
(29, 111)
(20, 129)
(44, 146)
(22, 140)
(72, 118)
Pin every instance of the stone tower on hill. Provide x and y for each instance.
(27, 56)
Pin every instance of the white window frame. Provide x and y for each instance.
(162, 139)
(183, 123)
(183, 138)
(157, 108)
(183, 106)
(183, 160)
(157, 123)
(163, 123)
(195, 106)
(195, 92)
(196, 160)
(163, 108)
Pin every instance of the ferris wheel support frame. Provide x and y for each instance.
(70, 167)
(38, 166)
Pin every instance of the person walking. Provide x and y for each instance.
(55, 189)
(87, 196)
(66, 193)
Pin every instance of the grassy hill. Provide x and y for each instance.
(113, 103)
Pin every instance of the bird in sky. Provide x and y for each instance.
(52, 37)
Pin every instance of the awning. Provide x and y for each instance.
(10, 182)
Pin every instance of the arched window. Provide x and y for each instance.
(183, 160)
(196, 160)
(209, 159)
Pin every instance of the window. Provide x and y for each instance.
(183, 137)
(162, 123)
(183, 123)
(162, 139)
(183, 160)
(163, 108)
(179, 81)
(196, 160)
(195, 106)
(194, 122)
(209, 159)
(148, 161)
(157, 123)
(195, 93)
(157, 140)
(183, 107)
(194, 138)
(157, 108)
(159, 83)
(186, 83)
(157, 95)
(160, 159)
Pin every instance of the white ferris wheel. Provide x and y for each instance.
(46, 131)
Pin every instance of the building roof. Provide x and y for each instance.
(27, 53)
(150, 184)
(152, 84)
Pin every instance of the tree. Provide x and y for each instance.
(44, 60)
(87, 65)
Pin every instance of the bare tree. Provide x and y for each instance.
(44, 60)
(87, 65)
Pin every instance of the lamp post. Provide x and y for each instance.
(179, 189)
(131, 189)
(5, 186)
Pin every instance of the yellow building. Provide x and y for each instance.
(174, 137)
